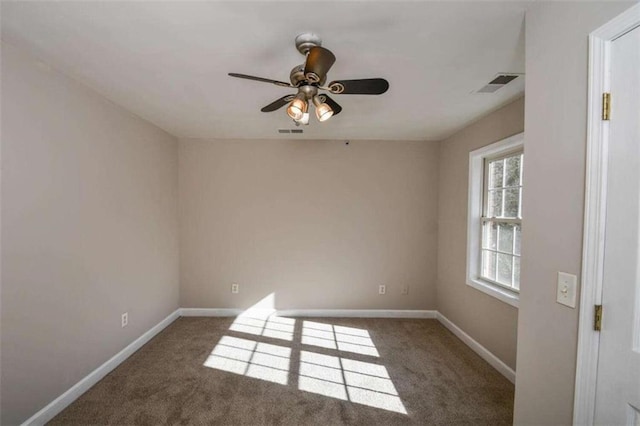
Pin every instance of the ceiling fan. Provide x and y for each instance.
(310, 77)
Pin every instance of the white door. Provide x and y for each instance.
(618, 382)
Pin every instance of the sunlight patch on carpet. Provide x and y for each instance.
(347, 339)
(331, 376)
(356, 381)
(253, 359)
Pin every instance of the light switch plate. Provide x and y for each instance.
(567, 289)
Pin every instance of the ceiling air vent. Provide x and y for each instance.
(499, 81)
(290, 130)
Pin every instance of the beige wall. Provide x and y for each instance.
(556, 120)
(89, 231)
(488, 320)
(319, 223)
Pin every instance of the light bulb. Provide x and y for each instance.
(297, 107)
(323, 111)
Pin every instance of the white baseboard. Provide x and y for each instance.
(484, 353)
(61, 402)
(210, 312)
(357, 313)
(327, 313)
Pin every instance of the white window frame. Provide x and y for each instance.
(477, 184)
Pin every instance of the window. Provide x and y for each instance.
(495, 219)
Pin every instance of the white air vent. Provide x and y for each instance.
(290, 131)
(498, 82)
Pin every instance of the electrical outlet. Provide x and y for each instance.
(235, 288)
(405, 289)
(125, 319)
(382, 289)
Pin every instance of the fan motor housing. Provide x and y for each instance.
(308, 90)
(297, 76)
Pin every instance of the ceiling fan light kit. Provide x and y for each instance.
(310, 77)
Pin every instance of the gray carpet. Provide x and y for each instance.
(253, 370)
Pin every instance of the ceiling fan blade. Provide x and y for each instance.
(365, 86)
(333, 104)
(264, 80)
(319, 62)
(278, 103)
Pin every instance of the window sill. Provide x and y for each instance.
(493, 290)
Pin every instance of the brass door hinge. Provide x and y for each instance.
(597, 319)
(606, 106)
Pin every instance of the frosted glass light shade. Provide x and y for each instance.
(323, 112)
(297, 108)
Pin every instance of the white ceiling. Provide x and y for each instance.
(168, 61)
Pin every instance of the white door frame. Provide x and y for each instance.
(595, 210)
